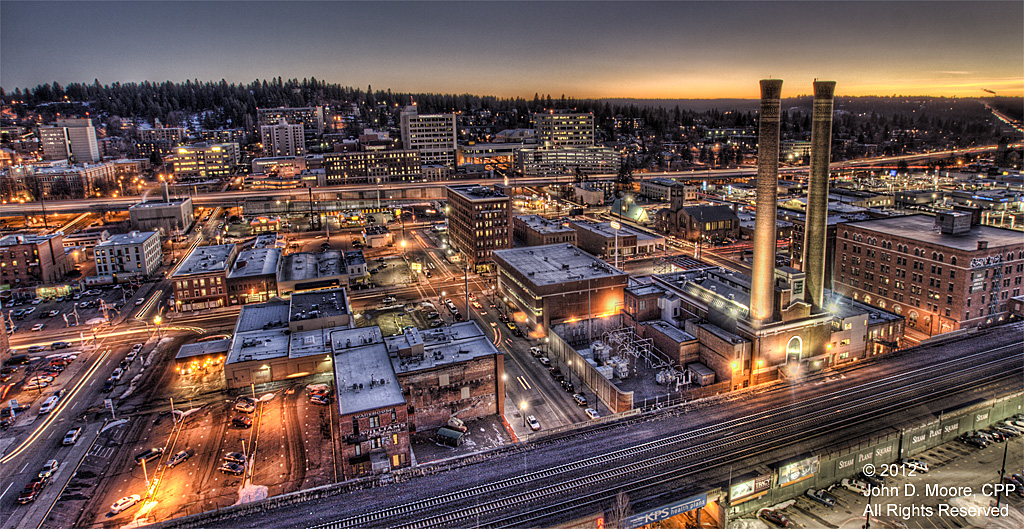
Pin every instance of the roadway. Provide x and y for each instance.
(232, 198)
(554, 479)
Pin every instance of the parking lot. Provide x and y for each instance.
(68, 310)
(958, 476)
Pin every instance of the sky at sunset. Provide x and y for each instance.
(580, 49)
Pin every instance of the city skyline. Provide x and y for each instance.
(610, 50)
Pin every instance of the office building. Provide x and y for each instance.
(566, 161)
(564, 128)
(372, 167)
(602, 240)
(558, 282)
(70, 181)
(71, 138)
(433, 135)
(283, 139)
(28, 260)
(311, 119)
(941, 273)
(204, 160)
(668, 190)
(479, 222)
(131, 254)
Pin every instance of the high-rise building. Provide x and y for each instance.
(82, 139)
(311, 119)
(205, 160)
(564, 128)
(479, 222)
(54, 141)
(433, 135)
(283, 139)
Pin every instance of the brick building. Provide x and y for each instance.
(941, 273)
(201, 279)
(253, 277)
(27, 260)
(479, 222)
(535, 230)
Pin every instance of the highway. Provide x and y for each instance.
(232, 198)
(548, 480)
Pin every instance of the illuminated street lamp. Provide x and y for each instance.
(403, 248)
(522, 410)
(157, 321)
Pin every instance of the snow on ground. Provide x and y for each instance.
(179, 414)
(249, 493)
(140, 517)
(113, 424)
(747, 523)
(131, 386)
(267, 398)
(985, 504)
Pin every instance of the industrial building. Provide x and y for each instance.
(302, 271)
(168, 216)
(603, 240)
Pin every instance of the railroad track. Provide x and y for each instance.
(868, 396)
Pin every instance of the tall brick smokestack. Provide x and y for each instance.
(817, 193)
(762, 295)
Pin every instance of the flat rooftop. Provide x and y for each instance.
(255, 262)
(477, 192)
(922, 228)
(556, 263)
(206, 259)
(192, 350)
(445, 345)
(318, 304)
(671, 331)
(10, 240)
(262, 316)
(361, 359)
(308, 343)
(135, 237)
(259, 345)
(304, 266)
(543, 225)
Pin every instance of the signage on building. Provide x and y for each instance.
(666, 512)
(979, 262)
(616, 225)
(749, 489)
(797, 471)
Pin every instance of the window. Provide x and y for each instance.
(394, 439)
(374, 421)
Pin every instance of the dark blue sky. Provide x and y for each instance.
(582, 49)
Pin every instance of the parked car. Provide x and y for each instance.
(149, 455)
(1006, 431)
(72, 436)
(320, 399)
(854, 485)
(533, 422)
(38, 327)
(108, 386)
(591, 413)
(140, 301)
(544, 361)
(241, 421)
(568, 386)
(871, 479)
(245, 406)
(36, 383)
(52, 313)
(125, 503)
(822, 497)
(916, 465)
(774, 517)
(535, 351)
(117, 374)
(235, 457)
(581, 400)
(179, 458)
(231, 468)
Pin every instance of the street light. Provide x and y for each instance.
(157, 321)
(522, 411)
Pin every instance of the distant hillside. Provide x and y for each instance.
(751, 105)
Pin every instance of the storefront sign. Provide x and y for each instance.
(666, 512)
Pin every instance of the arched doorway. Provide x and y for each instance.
(794, 350)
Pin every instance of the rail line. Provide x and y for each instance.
(874, 391)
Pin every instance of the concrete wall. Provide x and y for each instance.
(433, 402)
